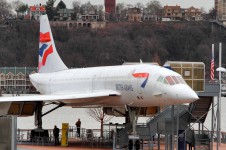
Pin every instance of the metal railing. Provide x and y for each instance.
(88, 137)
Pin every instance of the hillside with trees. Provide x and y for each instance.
(118, 42)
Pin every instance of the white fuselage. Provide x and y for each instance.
(128, 80)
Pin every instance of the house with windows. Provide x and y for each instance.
(172, 12)
(65, 14)
(15, 80)
(134, 14)
(88, 12)
(192, 14)
(36, 11)
(147, 15)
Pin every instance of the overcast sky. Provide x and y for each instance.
(207, 4)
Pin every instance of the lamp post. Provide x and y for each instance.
(220, 70)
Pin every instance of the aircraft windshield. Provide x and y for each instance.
(171, 80)
(181, 80)
(175, 79)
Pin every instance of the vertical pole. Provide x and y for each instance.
(218, 121)
(14, 132)
(220, 56)
(158, 141)
(166, 142)
(172, 139)
(212, 125)
(178, 107)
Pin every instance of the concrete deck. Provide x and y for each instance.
(79, 147)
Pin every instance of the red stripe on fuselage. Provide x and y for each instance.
(44, 37)
(141, 75)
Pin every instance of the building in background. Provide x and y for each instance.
(216, 4)
(172, 12)
(110, 10)
(65, 14)
(147, 15)
(15, 80)
(110, 6)
(220, 7)
(192, 14)
(134, 14)
(88, 12)
(36, 11)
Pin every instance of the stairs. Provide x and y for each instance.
(202, 141)
(199, 109)
(162, 123)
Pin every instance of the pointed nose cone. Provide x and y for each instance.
(187, 94)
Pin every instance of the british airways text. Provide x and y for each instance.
(124, 87)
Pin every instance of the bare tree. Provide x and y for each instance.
(5, 8)
(120, 8)
(202, 9)
(100, 116)
(212, 13)
(155, 7)
(19, 7)
(76, 4)
(139, 5)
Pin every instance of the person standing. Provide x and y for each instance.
(78, 125)
(56, 135)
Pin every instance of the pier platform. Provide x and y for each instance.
(32, 147)
(78, 146)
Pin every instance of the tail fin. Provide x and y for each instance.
(49, 60)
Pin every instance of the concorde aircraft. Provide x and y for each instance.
(138, 85)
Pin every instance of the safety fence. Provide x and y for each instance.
(88, 137)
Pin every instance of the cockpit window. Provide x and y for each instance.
(175, 80)
(181, 80)
(164, 81)
(170, 80)
(160, 79)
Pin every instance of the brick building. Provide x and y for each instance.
(220, 6)
(173, 12)
(110, 6)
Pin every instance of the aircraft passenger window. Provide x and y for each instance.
(175, 80)
(170, 80)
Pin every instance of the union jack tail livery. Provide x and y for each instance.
(49, 60)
